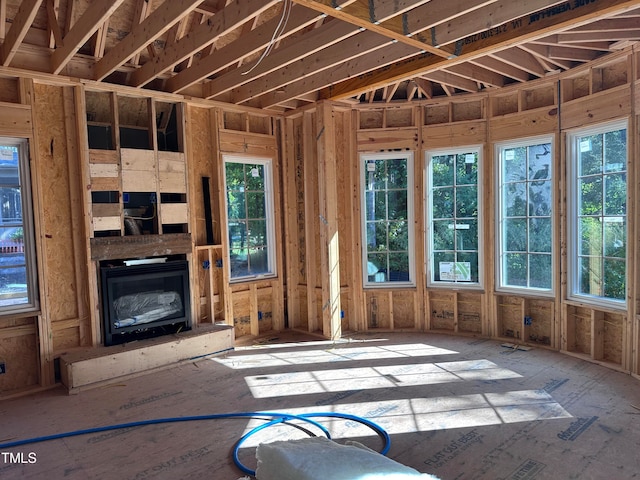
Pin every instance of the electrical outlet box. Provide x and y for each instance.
(3, 368)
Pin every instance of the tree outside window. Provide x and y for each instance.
(453, 217)
(249, 213)
(387, 222)
(526, 216)
(599, 161)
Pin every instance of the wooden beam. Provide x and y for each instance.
(439, 12)
(358, 14)
(21, 23)
(87, 24)
(321, 38)
(452, 80)
(328, 207)
(100, 40)
(572, 54)
(520, 59)
(142, 11)
(502, 68)
(336, 74)
(382, 10)
(524, 29)
(338, 53)
(248, 44)
(142, 34)
(55, 32)
(205, 34)
(3, 18)
(476, 72)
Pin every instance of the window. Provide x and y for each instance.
(453, 217)
(18, 276)
(388, 219)
(598, 214)
(525, 216)
(250, 217)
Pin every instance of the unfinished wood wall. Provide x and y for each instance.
(605, 90)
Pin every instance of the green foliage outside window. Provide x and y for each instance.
(453, 205)
(601, 161)
(247, 219)
(387, 220)
(526, 233)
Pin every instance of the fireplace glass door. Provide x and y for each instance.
(143, 301)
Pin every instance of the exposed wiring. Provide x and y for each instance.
(284, 18)
(272, 418)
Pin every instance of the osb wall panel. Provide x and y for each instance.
(60, 285)
(378, 309)
(579, 330)
(469, 312)
(20, 354)
(542, 320)
(510, 318)
(454, 135)
(241, 315)
(265, 311)
(442, 311)
(612, 337)
(200, 164)
(404, 312)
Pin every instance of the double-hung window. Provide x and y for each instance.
(525, 216)
(250, 219)
(387, 219)
(598, 214)
(18, 275)
(453, 217)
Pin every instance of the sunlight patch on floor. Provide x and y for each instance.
(329, 355)
(366, 378)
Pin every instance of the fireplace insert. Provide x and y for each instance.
(144, 300)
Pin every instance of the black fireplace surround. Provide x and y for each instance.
(144, 300)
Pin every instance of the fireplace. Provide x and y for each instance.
(144, 298)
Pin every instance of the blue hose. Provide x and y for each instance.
(276, 418)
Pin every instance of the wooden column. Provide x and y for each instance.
(328, 203)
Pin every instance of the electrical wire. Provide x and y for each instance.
(273, 418)
(284, 18)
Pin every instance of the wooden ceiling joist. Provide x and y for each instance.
(95, 15)
(517, 31)
(19, 28)
(204, 34)
(142, 34)
(249, 44)
(55, 32)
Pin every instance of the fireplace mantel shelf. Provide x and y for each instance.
(140, 246)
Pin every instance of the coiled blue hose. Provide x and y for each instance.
(275, 418)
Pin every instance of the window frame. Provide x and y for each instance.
(430, 267)
(527, 290)
(364, 158)
(25, 182)
(573, 281)
(267, 164)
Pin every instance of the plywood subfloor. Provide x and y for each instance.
(456, 407)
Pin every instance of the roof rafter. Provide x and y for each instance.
(86, 25)
(358, 14)
(251, 43)
(521, 30)
(203, 35)
(151, 28)
(24, 18)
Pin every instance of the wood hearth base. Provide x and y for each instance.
(95, 367)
